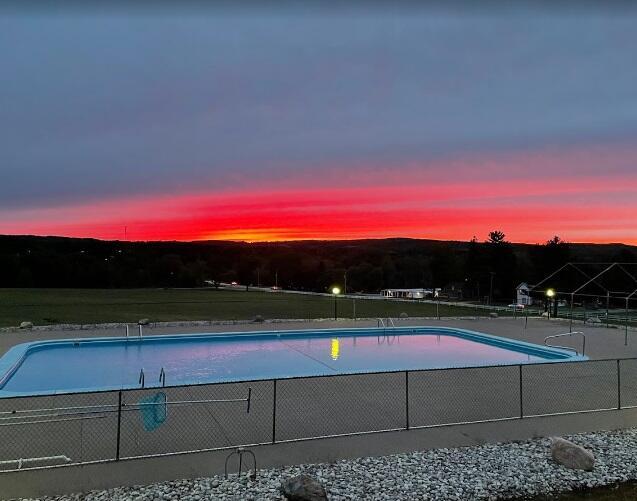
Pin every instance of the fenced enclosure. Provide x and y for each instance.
(43, 431)
(603, 293)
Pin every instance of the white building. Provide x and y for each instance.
(523, 296)
(408, 293)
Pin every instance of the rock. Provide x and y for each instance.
(404, 315)
(144, 321)
(26, 325)
(493, 314)
(571, 455)
(593, 320)
(303, 488)
(258, 319)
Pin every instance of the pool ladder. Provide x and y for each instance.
(386, 322)
(142, 377)
(567, 347)
(140, 333)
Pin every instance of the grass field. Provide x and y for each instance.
(53, 306)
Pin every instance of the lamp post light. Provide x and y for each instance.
(550, 295)
(335, 292)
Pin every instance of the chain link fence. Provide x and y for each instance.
(43, 431)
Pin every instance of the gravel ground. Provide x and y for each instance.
(492, 472)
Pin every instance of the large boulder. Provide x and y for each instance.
(571, 455)
(303, 488)
(404, 315)
(144, 321)
(26, 325)
(258, 319)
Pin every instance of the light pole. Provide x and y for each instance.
(491, 288)
(335, 292)
(550, 294)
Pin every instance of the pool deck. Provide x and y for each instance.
(601, 343)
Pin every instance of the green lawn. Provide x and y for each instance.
(51, 306)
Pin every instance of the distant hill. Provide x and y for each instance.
(366, 265)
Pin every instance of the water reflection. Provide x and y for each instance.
(335, 348)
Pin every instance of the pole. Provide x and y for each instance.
(626, 325)
(570, 326)
(335, 308)
(354, 308)
(274, 412)
(521, 395)
(406, 400)
(345, 282)
(438, 307)
(619, 386)
(119, 423)
(491, 288)
(607, 306)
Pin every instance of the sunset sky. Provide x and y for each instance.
(293, 123)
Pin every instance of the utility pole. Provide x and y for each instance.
(345, 282)
(491, 288)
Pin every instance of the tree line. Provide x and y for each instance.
(478, 267)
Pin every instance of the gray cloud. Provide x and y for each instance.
(94, 106)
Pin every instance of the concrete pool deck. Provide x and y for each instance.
(602, 343)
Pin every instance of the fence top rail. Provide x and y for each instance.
(315, 376)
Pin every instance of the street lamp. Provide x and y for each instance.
(335, 291)
(550, 295)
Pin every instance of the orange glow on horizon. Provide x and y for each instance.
(450, 201)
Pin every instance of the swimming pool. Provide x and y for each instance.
(62, 366)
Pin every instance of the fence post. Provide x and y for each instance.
(619, 386)
(274, 412)
(406, 400)
(119, 423)
(521, 395)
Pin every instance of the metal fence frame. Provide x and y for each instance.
(523, 379)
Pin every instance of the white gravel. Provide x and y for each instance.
(492, 472)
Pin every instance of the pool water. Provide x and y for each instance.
(112, 363)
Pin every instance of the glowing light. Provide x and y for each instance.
(336, 291)
(335, 349)
(550, 292)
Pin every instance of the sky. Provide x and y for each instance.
(304, 123)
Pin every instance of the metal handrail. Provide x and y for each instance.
(21, 461)
(385, 322)
(567, 347)
(162, 377)
(142, 378)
